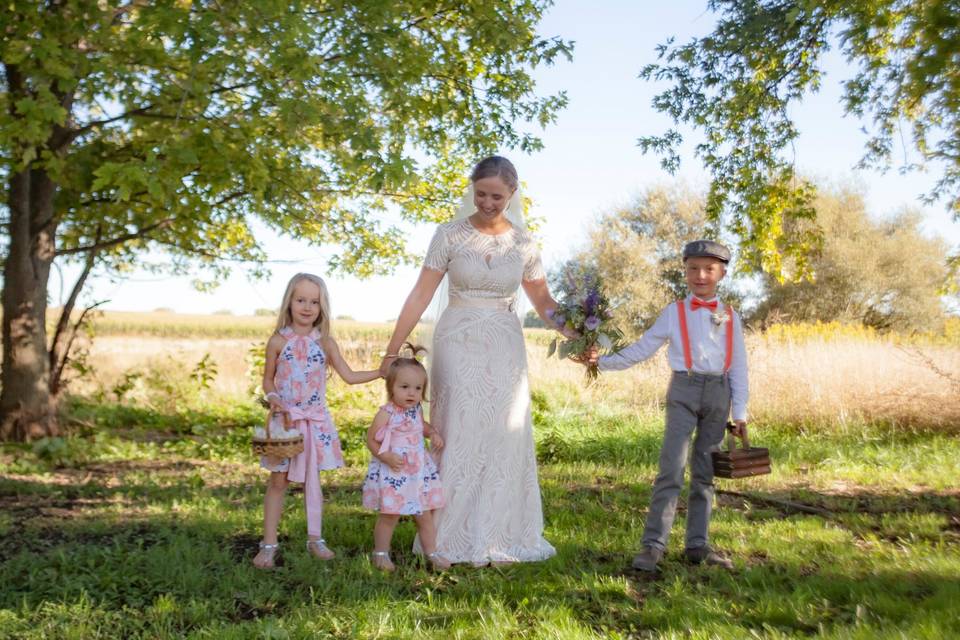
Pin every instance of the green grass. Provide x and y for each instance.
(142, 525)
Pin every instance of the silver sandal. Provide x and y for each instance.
(325, 553)
(272, 548)
(381, 560)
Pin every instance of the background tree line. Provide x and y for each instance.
(882, 273)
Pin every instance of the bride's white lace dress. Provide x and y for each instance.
(481, 399)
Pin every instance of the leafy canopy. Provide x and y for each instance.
(183, 123)
(736, 84)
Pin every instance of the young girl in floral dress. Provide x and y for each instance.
(295, 380)
(402, 478)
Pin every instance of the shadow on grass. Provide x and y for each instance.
(850, 500)
(771, 598)
(86, 415)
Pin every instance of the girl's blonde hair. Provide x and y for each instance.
(403, 362)
(322, 323)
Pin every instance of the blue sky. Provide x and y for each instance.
(590, 163)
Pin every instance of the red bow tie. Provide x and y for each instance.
(696, 303)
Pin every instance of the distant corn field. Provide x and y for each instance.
(807, 374)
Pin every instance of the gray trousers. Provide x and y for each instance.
(694, 402)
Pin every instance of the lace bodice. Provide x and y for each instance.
(479, 265)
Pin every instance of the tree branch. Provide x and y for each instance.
(58, 352)
(98, 246)
(58, 374)
(145, 111)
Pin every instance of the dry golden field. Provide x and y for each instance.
(814, 375)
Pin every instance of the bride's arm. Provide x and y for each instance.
(413, 308)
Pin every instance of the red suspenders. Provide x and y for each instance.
(685, 336)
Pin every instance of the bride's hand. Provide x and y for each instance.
(385, 364)
(568, 333)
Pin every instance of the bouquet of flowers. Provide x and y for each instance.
(582, 311)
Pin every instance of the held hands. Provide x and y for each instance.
(590, 357)
(568, 333)
(385, 365)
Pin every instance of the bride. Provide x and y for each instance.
(480, 393)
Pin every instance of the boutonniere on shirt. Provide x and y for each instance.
(717, 317)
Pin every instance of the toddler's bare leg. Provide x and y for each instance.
(382, 535)
(428, 539)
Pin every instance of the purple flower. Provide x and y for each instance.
(550, 312)
(560, 320)
(591, 323)
(590, 303)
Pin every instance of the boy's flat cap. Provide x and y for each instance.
(706, 249)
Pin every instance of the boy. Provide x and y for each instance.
(709, 363)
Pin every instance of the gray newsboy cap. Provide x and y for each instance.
(706, 249)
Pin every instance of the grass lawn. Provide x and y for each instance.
(148, 533)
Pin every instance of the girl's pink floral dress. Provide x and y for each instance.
(413, 489)
(301, 381)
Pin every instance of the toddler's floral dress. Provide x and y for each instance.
(415, 488)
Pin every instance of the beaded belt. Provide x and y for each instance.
(498, 304)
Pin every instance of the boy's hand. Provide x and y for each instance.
(392, 460)
(591, 355)
(739, 428)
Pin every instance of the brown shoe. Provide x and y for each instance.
(647, 559)
(706, 555)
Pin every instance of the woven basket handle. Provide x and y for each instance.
(732, 441)
(270, 414)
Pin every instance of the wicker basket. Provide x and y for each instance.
(277, 447)
(742, 462)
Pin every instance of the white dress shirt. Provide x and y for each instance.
(708, 349)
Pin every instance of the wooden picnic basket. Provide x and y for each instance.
(277, 447)
(742, 462)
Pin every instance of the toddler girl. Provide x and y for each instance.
(294, 379)
(402, 478)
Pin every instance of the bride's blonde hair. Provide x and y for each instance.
(404, 362)
(322, 323)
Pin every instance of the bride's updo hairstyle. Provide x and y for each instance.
(408, 360)
(496, 166)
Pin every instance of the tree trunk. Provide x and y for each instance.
(27, 409)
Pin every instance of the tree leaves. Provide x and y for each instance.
(736, 84)
(313, 118)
